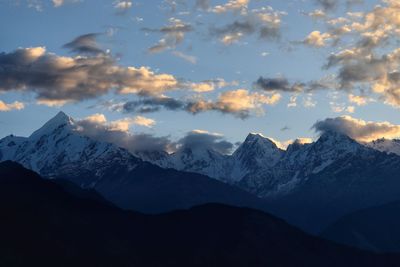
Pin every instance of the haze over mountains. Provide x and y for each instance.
(310, 185)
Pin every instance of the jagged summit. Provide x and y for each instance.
(257, 141)
(386, 145)
(58, 121)
(335, 141)
(257, 137)
(57, 148)
(259, 161)
(334, 136)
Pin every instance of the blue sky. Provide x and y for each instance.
(199, 54)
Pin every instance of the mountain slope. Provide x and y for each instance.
(309, 185)
(375, 228)
(350, 183)
(58, 151)
(57, 148)
(254, 154)
(386, 145)
(42, 225)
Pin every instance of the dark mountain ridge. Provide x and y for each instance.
(375, 228)
(42, 225)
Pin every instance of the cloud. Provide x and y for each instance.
(317, 39)
(85, 44)
(199, 139)
(309, 102)
(143, 121)
(209, 85)
(58, 3)
(339, 108)
(52, 103)
(378, 74)
(368, 57)
(122, 5)
(317, 14)
(278, 84)
(330, 5)
(58, 78)
(358, 129)
(203, 4)
(264, 23)
(117, 132)
(285, 144)
(281, 84)
(327, 4)
(188, 58)
(359, 100)
(174, 34)
(231, 5)
(148, 105)
(239, 103)
(11, 106)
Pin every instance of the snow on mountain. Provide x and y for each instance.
(57, 148)
(258, 165)
(199, 160)
(255, 153)
(327, 149)
(386, 145)
(299, 162)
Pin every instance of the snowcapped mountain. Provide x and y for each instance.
(386, 145)
(58, 149)
(327, 178)
(298, 163)
(259, 166)
(203, 161)
(322, 181)
(255, 153)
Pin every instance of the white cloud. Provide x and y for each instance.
(11, 106)
(358, 129)
(231, 5)
(188, 58)
(122, 5)
(143, 121)
(317, 39)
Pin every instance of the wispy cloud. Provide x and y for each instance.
(188, 58)
(11, 106)
(265, 23)
(240, 103)
(173, 35)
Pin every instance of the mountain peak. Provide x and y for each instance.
(260, 139)
(333, 137)
(333, 141)
(61, 116)
(59, 120)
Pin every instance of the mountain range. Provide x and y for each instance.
(43, 225)
(57, 151)
(310, 185)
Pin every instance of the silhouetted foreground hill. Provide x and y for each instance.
(42, 225)
(376, 228)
